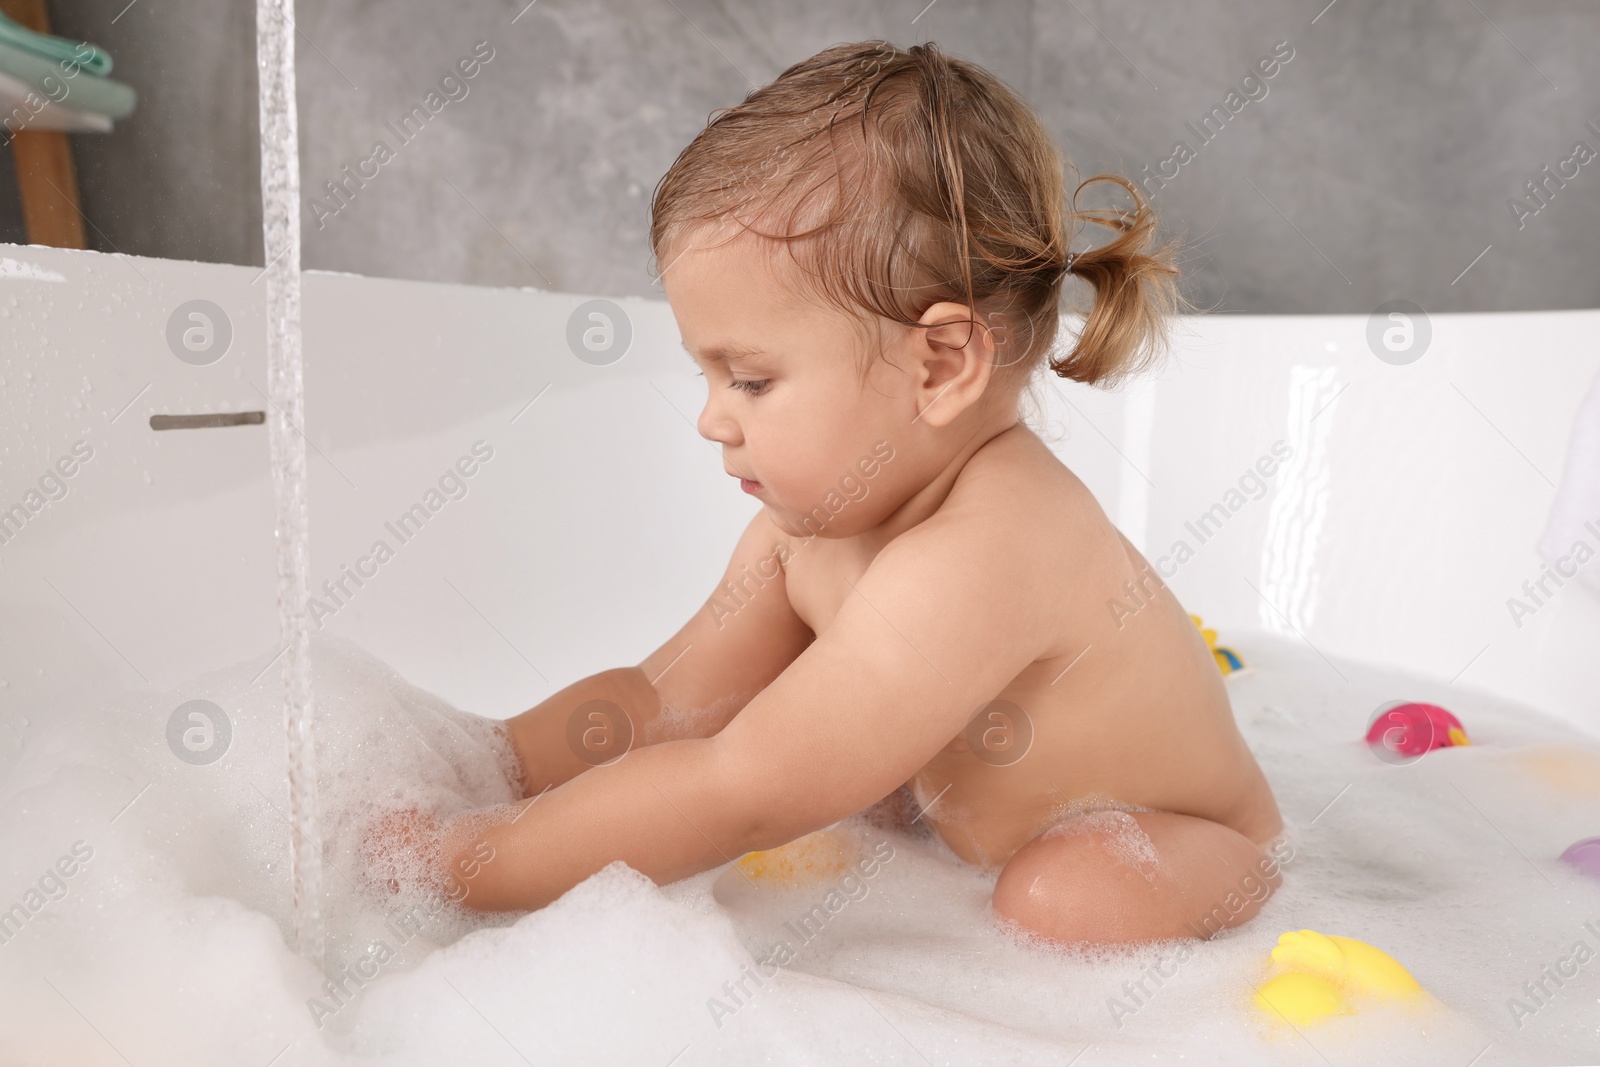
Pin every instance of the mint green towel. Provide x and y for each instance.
(92, 59)
(83, 91)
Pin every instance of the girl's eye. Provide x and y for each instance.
(754, 388)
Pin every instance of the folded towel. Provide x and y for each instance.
(48, 46)
(1575, 515)
(84, 92)
(20, 104)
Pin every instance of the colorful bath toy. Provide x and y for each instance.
(1411, 729)
(1324, 975)
(1584, 856)
(1227, 659)
(816, 857)
(1301, 998)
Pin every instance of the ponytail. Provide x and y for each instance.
(1135, 294)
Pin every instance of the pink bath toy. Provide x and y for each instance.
(1584, 856)
(1406, 731)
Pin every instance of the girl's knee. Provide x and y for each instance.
(1133, 876)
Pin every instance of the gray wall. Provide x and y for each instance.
(1379, 165)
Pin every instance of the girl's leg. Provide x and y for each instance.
(1111, 877)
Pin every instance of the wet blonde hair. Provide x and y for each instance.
(934, 182)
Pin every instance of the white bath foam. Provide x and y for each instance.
(675, 722)
(1119, 831)
(169, 943)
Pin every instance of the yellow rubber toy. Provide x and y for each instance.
(1227, 659)
(1323, 973)
(816, 857)
(1301, 998)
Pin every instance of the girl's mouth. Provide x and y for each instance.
(748, 486)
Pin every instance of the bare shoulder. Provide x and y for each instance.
(767, 547)
(1018, 531)
(1015, 494)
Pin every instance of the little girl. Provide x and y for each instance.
(865, 260)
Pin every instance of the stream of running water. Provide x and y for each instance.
(280, 223)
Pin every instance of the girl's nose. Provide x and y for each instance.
(715, 423)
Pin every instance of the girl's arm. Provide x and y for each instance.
(540, 735)
(742, 638)
(941, 621)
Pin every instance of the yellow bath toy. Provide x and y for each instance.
(1301, 998)
(1227, 659)
(816, 857)
(1323, 973)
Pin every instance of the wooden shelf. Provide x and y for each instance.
(47, 179)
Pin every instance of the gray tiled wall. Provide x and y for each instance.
(1380, 163)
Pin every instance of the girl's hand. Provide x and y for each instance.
(402, 846)
(423, 849)
(897, 811)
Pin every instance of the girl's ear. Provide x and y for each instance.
(954, 354)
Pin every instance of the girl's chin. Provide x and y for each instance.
(783, 520)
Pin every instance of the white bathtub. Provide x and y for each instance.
(1394, 537)
(1424, 488)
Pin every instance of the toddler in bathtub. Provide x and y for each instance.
(865, 260)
